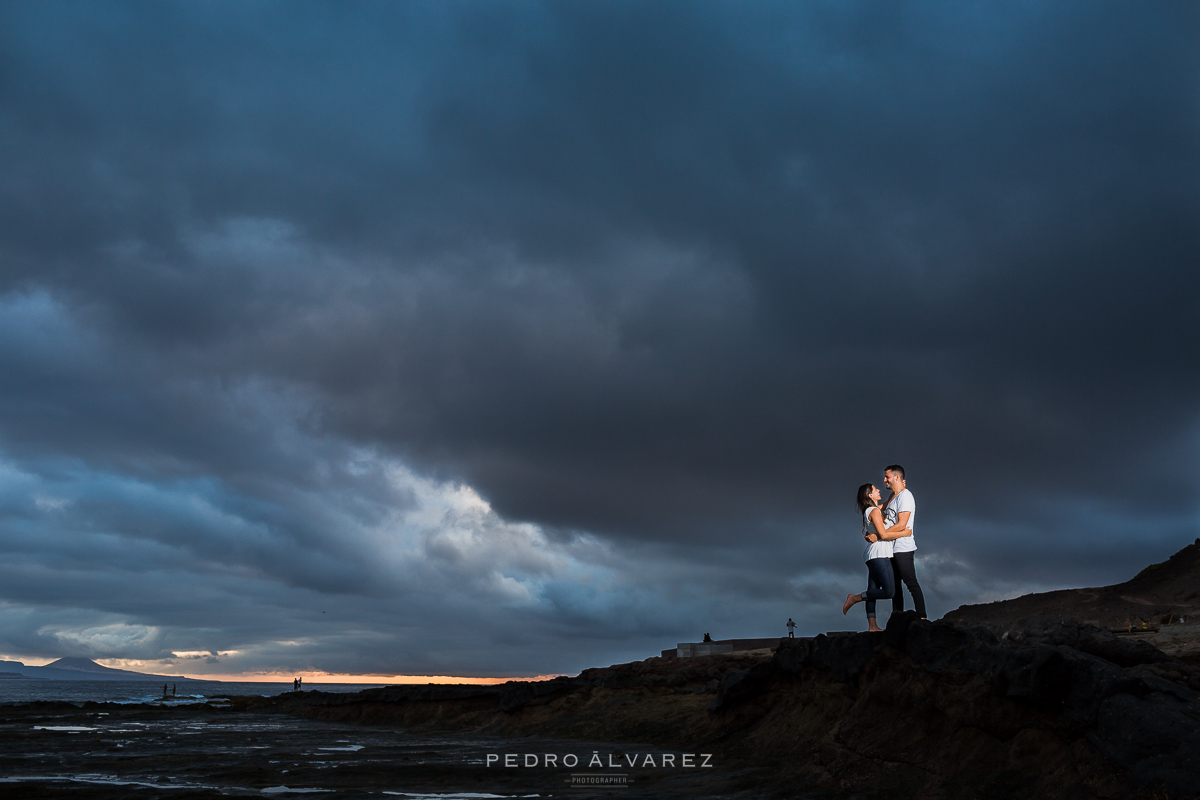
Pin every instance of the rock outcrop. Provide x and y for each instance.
(1114, 712)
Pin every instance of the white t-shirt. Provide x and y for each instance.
(874, 549)
(898, 504)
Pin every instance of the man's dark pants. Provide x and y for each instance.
(903, 569)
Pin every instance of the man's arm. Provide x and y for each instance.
(877, 521)
(900, 529)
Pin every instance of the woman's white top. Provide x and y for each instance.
(874, 549)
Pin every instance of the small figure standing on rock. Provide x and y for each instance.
(878, 555)
(707, 638)
(791, 629)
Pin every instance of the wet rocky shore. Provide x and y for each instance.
(107, 751)
(923, 710)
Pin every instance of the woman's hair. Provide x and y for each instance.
(864, 497)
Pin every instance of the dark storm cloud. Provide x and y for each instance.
(662, 283)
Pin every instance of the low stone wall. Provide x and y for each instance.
(693, 649)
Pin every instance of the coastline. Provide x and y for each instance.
(80, 692)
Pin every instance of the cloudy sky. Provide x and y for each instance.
(501, 339)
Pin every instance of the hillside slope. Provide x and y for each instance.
(1159, 594)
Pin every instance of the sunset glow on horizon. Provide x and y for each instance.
(310, 677)
(316, 679)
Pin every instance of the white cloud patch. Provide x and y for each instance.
(193, 552)
(104, 641)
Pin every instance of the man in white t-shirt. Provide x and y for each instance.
(900, 514)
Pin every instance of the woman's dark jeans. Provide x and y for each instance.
(903, 569)
(879, 583)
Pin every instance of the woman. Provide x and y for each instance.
(880, 585)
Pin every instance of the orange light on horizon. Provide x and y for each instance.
(310, 677)
(317, 678)
(325, 677)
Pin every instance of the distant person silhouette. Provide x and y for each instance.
(164, 691)
(791, 626)
(707, 638)
(172, 690)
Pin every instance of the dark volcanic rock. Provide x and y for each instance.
(1124, 652)
(518, 694)
(1155, 736)
(1085, 681)
(737, 685)
(414, 693)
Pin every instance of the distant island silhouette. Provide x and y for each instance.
(78, 669)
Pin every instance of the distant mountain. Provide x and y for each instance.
(80, 669)
(1159, 594)
(84, 665)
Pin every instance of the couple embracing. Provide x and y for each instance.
(888, 530)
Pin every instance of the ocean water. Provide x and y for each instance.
(122, 750)
(188, 692)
